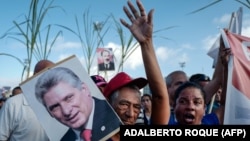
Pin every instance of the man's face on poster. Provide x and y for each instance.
(106, 56)
(69, 105)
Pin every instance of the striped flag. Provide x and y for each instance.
(237, 108)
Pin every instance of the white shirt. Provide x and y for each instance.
(18, 121)
(89, 123)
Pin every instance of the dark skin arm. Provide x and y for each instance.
(224, 58)
(212, 87)
(142, 29)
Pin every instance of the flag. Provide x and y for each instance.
(237, 108)
(235, 26)
(236, 22)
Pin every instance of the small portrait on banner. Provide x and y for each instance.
(105, 59)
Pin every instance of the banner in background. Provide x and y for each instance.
(237, 110)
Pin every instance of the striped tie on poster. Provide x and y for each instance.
(237, 110)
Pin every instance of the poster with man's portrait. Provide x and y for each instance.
(105, 59)
(67, 103)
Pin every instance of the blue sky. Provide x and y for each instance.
(188, 42)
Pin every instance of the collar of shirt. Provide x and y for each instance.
(89, 123)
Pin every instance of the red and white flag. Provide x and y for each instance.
(237, 108)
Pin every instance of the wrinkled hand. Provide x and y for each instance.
(141, 24)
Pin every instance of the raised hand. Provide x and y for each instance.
(141, 24)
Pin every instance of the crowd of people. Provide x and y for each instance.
(175, 99)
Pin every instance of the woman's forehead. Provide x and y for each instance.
(191, 92)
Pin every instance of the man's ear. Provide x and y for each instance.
(85, 88)
(83, 85)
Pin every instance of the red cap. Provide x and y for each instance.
(122, 79)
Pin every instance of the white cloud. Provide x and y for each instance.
(208, 42)
(162, 53)
(134, 60)
(246, 26)
(61, 44)
(246, 20)
(12, 82)
(183, 58)
(222, 20)
(172, 57)
(165, 53)
(187, 46)
(112, 45)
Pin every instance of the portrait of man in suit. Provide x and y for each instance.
(69, 100)
(106, 60)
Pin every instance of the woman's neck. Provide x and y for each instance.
(147, 111)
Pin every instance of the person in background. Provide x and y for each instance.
(17, 90)
(123, 94)
(140, 118)
(173, 80)
(190, 99)
(215, 102)
(99, 81)
(176, 78)
(17, 119)
(126, 99)
(200, 79)
(146, 101)
(141, 28)
(2, 100)
(42, 65)
(203, 80)
(189, 106)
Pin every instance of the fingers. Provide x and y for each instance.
(225, 52)
(224, 55)
(228, 51)
(124, 23)
(132, 8)
(134, 11)
(150, 17)
(129, 15)
(133, 14)
(141, 8)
